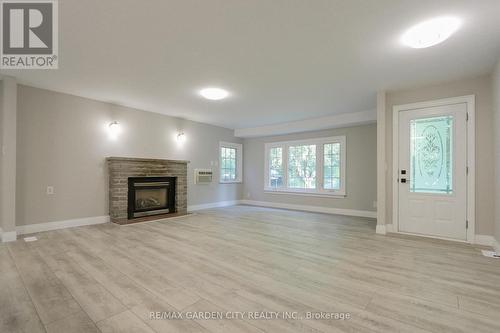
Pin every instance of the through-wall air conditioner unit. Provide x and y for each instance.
(203, 176)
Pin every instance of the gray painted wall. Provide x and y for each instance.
(8, 114)
(361, 169)
(496, 97)
(63, 141)
(481, 87)
(1, 154)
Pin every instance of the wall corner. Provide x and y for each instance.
(381, 162)
(8, 167)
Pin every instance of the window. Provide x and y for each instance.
(302, 166)
(315, 166)
(230, 162)
(275, 167)
(331, 166)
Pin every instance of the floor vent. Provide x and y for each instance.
(491, 254)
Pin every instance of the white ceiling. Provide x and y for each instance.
(283, 60)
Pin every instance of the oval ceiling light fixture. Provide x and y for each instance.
(431, 32)
(214, 94)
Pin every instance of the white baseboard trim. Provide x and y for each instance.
(213, 205)
(9, 236)
(389, 228)
(381, 230)
(40, 227)
(314, 209)
(485, 240)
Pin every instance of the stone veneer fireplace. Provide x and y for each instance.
(140, 188)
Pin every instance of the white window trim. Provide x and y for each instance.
(239, 162)
(319, 190)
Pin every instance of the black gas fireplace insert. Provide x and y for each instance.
(149, 196)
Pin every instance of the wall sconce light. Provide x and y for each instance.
(114, 129)
(181, 137)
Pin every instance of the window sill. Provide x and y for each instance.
(232, 182)
(308, 194)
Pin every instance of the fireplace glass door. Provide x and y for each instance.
(151, 196)
(147, 199)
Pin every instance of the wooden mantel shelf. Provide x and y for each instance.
(114, 158)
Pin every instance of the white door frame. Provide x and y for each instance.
(470, 101)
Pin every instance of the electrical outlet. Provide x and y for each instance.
(50, 190)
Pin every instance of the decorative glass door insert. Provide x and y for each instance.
(431, 150)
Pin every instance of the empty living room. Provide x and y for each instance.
(249, 166)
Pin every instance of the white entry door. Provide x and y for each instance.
(432, 178)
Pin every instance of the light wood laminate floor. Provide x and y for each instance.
(110, 278)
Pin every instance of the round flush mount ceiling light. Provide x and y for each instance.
(431, 32)
(214, 94)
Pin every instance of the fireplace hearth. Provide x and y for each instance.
(149, 196)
